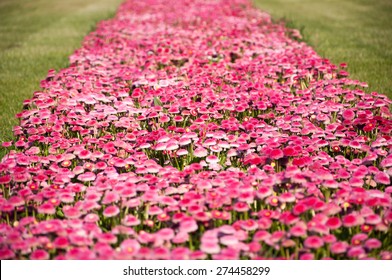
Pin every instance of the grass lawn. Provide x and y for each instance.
(358, 32)
(37, 35)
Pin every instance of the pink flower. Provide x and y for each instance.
(182, 152)
(84, 154)
(299, 208)
(210, 247)
(263, 192)
(287, 197)
(212, 159)
(313, 242)
(39, 254)
(348, 114)
(276, 154)
(87, 177)
(339, 247)
(298, 230)
(111, 211)
(289, 151)
(161, 253)
(107, 238)
(373, 219)
(182, 253)
(16, 201)
(350, 220)
(356, 252)
(249, 225)
(61, 242)
(165, 234)
(229, 240)
(200, 152)
(110, 197)
(181, 237)
(130, 220)
(307, 256)
(130, 247)
(5, 179)
(171, 147)
(188, 225)
(241, 207)
(91, 218)
(6, 253)
(71, 212)
(333, 223)
(382, 178)
(46, 208)
(373, 243)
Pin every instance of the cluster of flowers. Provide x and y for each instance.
(198, 130)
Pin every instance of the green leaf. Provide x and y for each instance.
(60, 213)
(157, 102)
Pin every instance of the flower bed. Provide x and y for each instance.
(198, 130)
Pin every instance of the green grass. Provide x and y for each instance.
(358, 32)
(37, 35)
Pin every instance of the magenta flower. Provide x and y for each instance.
(200, 152)
(350, 220)
(313, 242)
(339, 247)
(91, 218)
(356, 252)
(210, 247)
(39, 254)
(182, 253)
(307, 256)
(276, 154)
(241, 207)
(330, 238)
(182, 152)
(372, 243)
(6, 253)
(188, 225)
(333, 223)
(87, 177)
(373, 219)
(46, 208)
(181, 237)
(249, 225)
(348, 114)
(299, 208)
(298, 230)
(130, 220)
(358, 239)
(71, 212)
(107, 238)
(16, 201)
(111, 211)
(382, 178)
(165, 234)
(263, 192)
(110, 197)
(212, 159)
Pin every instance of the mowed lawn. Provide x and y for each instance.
(358, 32)
(35, 36)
